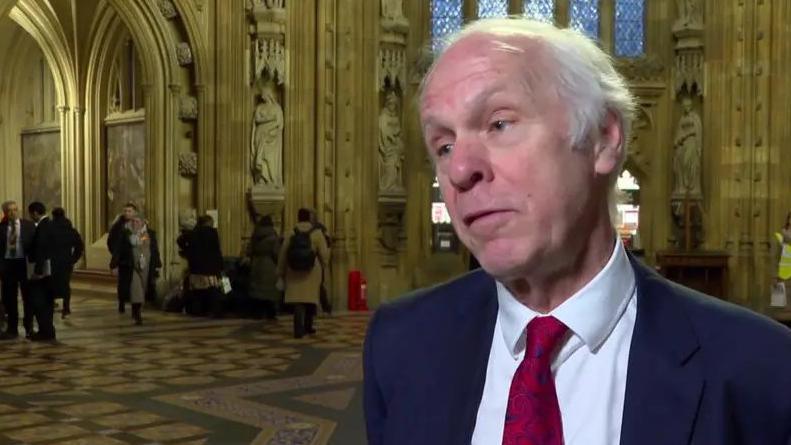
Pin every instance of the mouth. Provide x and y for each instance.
(476, 216)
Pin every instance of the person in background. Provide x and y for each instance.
(40, 254)
(137, 260)
(263, 250)
(301, 258)
(16, 236)
(67, 250)
(115, 239)
(324, 300)
(204, 257)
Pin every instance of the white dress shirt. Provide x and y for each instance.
(590, 365)
(19, 251)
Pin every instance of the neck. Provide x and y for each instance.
(546, 290)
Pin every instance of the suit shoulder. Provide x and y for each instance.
(734, 329)
(423, 310)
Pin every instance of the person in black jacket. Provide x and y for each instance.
(114, 240)
(40, 272)
(16, 237)
(67, 251)
(204, 259)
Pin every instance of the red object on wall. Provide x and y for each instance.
(357, 291)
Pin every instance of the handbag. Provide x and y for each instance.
(225, 285)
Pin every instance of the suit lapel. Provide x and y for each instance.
(470, 357)
(664, 379)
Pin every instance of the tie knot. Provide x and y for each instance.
(543, 336)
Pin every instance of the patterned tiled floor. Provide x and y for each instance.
(183, 380)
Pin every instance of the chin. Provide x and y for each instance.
(502, 259)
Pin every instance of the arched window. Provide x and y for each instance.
(629, 28)
(446, 17)
(541, 10)
(584, 17)
(492, 8)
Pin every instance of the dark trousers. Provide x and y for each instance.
(42, 299)
(304, 313)
(203, 302)
(14, 282)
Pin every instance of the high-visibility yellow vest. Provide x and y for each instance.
(784, 267)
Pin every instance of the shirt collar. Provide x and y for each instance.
(590, 314)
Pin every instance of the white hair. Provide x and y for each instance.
(585, 78)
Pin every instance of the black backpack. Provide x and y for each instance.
(300, 255)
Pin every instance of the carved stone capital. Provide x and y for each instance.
(268, 17)
(646, 69)
(188, 164)
(168, 9)
(265, 201)
(184, 53)
(188, 108)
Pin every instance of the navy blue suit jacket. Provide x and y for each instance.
(701, 371)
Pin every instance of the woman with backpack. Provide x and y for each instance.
(302, 256)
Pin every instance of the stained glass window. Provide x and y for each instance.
(541, 10)
(445, 18)
(584, 17)
(629, 28)
(492, 8)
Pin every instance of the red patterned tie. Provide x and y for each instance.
(533, 415)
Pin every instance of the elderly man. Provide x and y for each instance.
(562, 338)
(16, 237)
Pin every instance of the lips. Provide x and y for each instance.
(470, 218)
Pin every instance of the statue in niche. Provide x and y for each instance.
(689, 14)
(391, 147)
(267, 141)
(391, 9)
(688, 153)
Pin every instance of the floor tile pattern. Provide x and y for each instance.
(183, 380)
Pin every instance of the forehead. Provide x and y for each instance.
(479, 62)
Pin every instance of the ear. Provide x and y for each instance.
(609, 150)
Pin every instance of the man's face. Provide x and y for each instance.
(517, 193)
(35, 216)
(12, 211)
(129, 213)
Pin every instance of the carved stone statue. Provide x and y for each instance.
(688, 154)
(391, 146)
(267, 141)
(391, 9)
(689, 14)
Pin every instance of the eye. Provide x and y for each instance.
(499, 125)
(444, 150)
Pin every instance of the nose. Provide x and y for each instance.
(469, 165)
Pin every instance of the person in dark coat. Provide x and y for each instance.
(263, 250)
(42, 297)
(119, 230)
(136, 251)
(16, 237)
(67, 251)
(204, 259)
